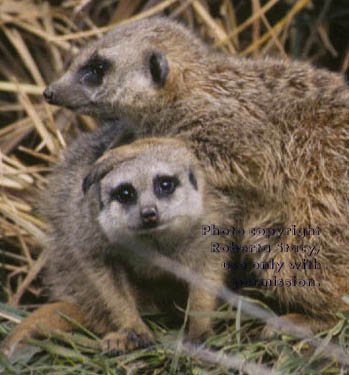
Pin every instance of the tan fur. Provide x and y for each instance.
(98, 281)
(44, 320)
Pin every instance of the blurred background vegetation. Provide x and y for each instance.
(37, 42)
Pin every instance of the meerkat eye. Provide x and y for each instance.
(93, 72)
(124, 194)
(165, 185)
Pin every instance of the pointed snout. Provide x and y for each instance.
(49, 95)
(149, 216)
(60, 92)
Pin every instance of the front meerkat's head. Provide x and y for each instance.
(149, 191)
(133, 70)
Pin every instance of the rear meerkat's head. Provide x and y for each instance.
(150, 192)
(131, 70)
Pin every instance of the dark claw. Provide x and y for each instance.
(114, 353)
(139, 341)
(132, 336)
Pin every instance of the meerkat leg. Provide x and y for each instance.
(131, 332)
(41, 321)
(201, 302)
(204, 301)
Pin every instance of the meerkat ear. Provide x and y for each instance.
(158, 66)
(97, 172)
(88, 181)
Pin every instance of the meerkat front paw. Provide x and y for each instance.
(126, 340)
(199, 333)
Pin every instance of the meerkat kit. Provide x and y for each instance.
(271, 134)
(148, 198)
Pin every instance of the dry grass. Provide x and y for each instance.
(37, 40)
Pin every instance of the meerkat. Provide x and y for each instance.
(53, 203)
(272, 134)
(147, 198)
(155, 67)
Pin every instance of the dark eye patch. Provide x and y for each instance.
(93, 72)
(159, 68)
(193, 180)
(124, 194)
(165, 185)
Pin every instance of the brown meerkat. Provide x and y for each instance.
(64, 183)
(150, 197)
(272, 134)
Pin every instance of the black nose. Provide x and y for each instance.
(48, 95)
(150, 217)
